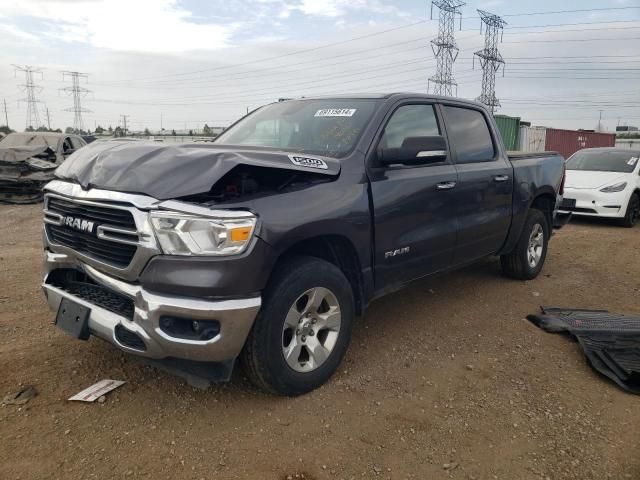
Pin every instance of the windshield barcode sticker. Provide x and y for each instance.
(632, 161)
(335, 112)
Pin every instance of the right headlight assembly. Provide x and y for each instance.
(618, 187)
(184, 234)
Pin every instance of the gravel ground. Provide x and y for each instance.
(442, 380)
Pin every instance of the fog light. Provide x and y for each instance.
(188, 329)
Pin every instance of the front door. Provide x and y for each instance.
(413, 206)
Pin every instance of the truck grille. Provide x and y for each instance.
(112, 252)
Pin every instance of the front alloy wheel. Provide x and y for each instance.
(303, 328)
(311, 329)
(633, 211)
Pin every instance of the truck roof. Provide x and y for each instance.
(398, 95)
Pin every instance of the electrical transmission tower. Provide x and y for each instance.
(78, 92)
(30, 88)
(490, 58)
(444, 46)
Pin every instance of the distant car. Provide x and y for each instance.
(604, 182)
(28, 160)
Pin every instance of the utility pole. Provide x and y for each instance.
(6, 116)
(48, 119)
(490, 58)
(124, 121)
(444, 46)
(30, 88)
(77, 92)
(600, 121)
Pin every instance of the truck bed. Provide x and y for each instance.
(517, 155)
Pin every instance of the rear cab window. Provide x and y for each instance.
(469, 135)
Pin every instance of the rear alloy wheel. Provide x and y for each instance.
(527, 258)
(633, 211)
(535, 246)
(303, 328)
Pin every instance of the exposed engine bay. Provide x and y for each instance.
(246, 182)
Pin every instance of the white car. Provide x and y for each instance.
(603, 182)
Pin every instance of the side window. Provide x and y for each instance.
(469, 135)
(409, 121)
(77, 143)
(66, 145)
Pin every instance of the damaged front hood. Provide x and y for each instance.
(172, 171)
(20, 154)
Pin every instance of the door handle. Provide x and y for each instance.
(445, 185)
(501, 178)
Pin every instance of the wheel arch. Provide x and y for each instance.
(545, 202)
(336, 249)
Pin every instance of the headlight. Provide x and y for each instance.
(618, 187)
(183, 234)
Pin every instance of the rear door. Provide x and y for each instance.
(485, 183)
(414, 218)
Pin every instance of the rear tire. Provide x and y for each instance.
(633, 212)
(527, 258)
(303, 329)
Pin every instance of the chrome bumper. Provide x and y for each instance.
(235, 316)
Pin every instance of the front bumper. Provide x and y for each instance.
(235, 316)
(594, 203)
(21, 191)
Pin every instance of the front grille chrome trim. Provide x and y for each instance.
(103, 233)
(142, 237)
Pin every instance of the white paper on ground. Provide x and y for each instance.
(95, 391)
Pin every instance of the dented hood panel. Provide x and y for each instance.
(171, 171)
(20, 154)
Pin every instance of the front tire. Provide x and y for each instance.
(527, 258)
(633, 212)
(303, 329)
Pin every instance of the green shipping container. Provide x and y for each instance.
(509, 129)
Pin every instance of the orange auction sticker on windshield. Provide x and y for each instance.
(335, 112)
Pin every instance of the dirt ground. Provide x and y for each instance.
(442, 380)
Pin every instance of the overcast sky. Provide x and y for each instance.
(196, 61)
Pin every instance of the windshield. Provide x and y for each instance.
(603, 161)
(321, 127)
(28, 140)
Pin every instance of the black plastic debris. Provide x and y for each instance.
(20, 397)
(611, 342)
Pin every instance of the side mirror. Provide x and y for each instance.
(415, 151)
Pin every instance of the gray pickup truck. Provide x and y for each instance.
(264, 245)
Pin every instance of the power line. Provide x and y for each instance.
(30, 88)
(150, 80)
(580, 10)
(78, 92)
(564, 40)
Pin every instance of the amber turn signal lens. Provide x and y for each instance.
(240, 234)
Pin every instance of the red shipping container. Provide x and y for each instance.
(568, 142)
